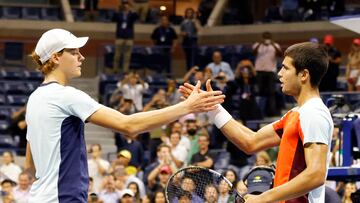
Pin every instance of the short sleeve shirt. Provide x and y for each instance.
(55, 115)
(310, 123)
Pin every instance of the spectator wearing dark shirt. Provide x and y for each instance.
(134, 147)
(203, 158)
(189, 31)
(91, 10)
(125, 20)
(329, 81)
(165, 38)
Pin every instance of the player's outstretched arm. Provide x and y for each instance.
(136, 123)
(243, 137)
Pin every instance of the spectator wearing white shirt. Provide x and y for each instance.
(133, 87)
(109, 194)
(21, 192)
(218, 66)
(178, 152)
(97, 166)
(9, 169)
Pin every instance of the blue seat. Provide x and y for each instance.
(4, 112)
(13, 53)
(30, 13)
(52, 14)
(16, 100)
(109, 51)
(105, 15)
(33, 75)
(4, 125)
(2, 100)
(15, 88)
(11, 74)
(6, 141)
(78, 14)
(137, 58)
(11, 12)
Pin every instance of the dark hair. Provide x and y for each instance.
(8, 181)
(234, 172)
(310, 56)
(266, 35)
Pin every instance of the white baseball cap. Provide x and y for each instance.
(126, 192)
(55, 40)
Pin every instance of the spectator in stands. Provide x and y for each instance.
(165, 38)
(134, 187)
(94, 198)
(189, 29)
(91, 10)
(241, 92)
(97, 166)
(109, 194)
(127, 196)
(134, 147)
(353, 66)
(159, 196)
(122, 160)
(91, 186)
(126, 106)
(177, 127)
(218, 66)
(18, 128)
(224, 196)
(172, 93)
(311, 10)
(204, 157)
(178, 152)
(21, 192)
(133, 87)
(9, 169)
(349, 189)
(263, 159)
(329, 81)
(192, 132)
(146, 199)
(158, 101)
(221, 81)
(163, 157)
(231, 175)
(193, 75)
(130, 177)
(159, 177)
(7, 186)
(266, 53)
(141, 7)
(335, 7)
(125, 20)
(211, 194)
(189, 185)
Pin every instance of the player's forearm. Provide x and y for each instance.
(239, 135)
(145, 121)
(300, 185)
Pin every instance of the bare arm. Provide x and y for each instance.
(144, 121)
(243, 137)
(29, 162)
(312, 177)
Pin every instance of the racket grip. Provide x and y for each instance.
(219, 116)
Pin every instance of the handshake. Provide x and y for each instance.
(217, 114)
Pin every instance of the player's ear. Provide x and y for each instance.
(305, 75)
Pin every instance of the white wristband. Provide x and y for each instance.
(219, 116)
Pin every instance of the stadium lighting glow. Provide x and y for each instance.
(162, 8)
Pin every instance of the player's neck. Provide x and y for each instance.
(56, 76)
(306, 94)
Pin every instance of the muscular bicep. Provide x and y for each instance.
(316, 157)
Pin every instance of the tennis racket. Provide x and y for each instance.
(195, 184)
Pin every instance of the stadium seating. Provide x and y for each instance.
(30, 13)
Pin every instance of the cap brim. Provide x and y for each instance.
(258, 188)
(77, 43)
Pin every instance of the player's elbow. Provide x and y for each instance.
(317, 178)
